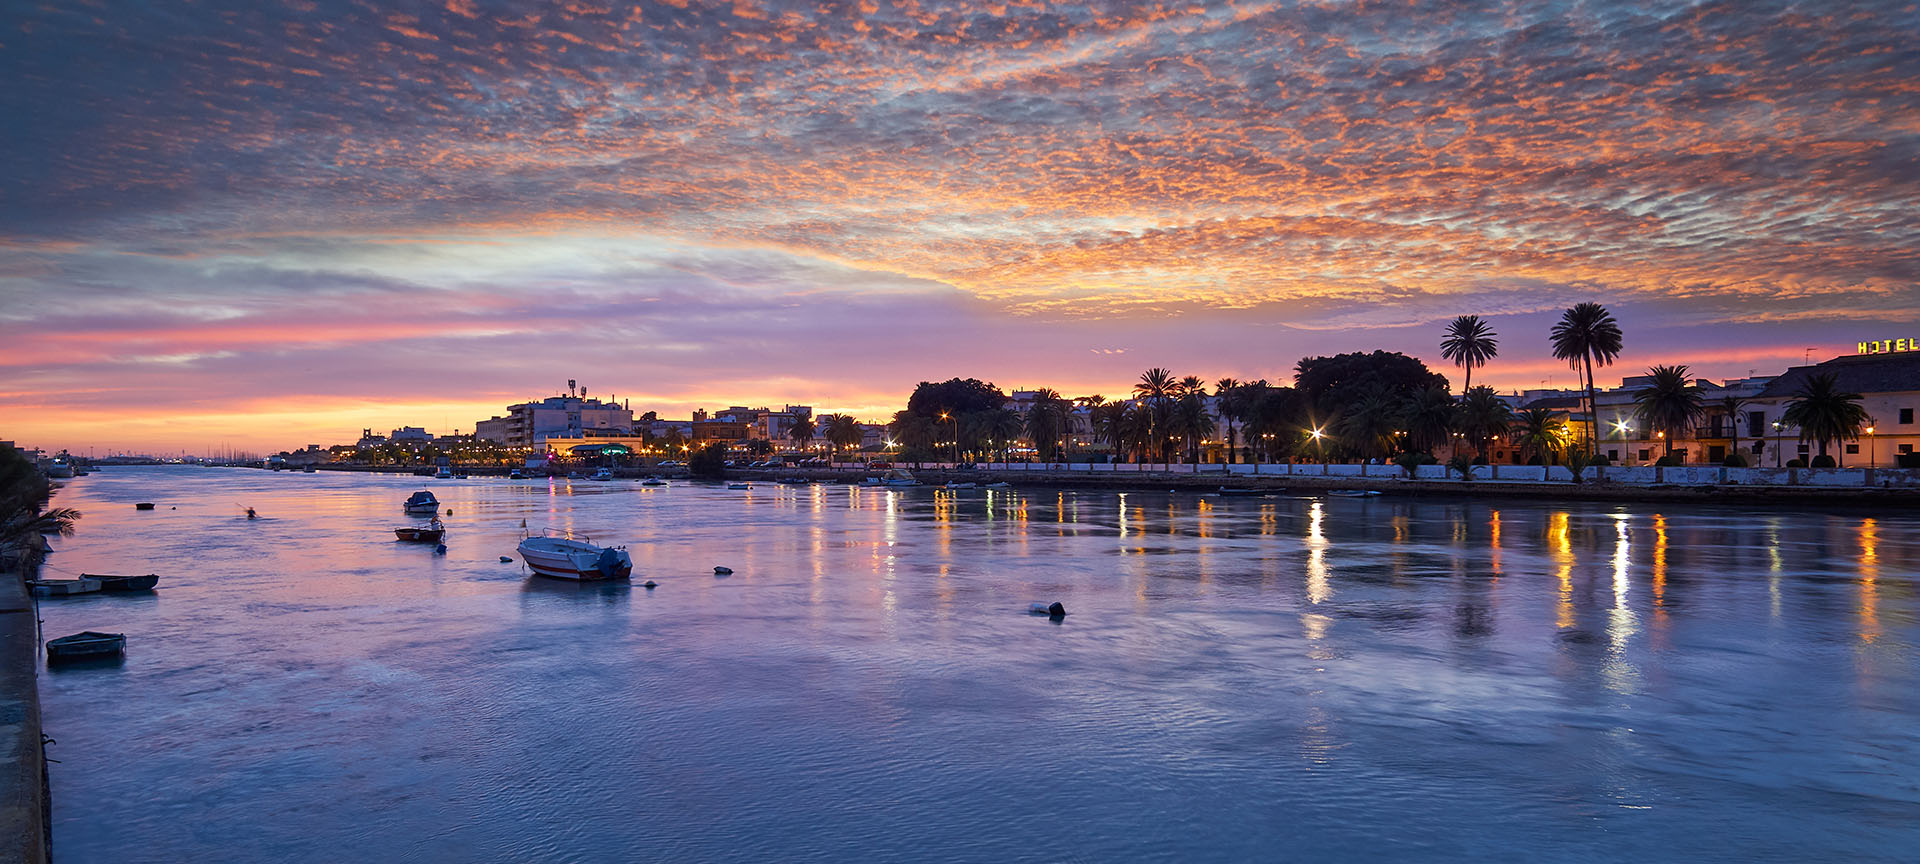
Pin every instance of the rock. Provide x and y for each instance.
(649, 584)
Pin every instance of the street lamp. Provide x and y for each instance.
(1776, 443)
(1873, 456)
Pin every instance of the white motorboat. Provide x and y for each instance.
(444, 473)
(1355, 493)
(602, 474)
(562, 557)
(653, 481)
(957, 485)
(422, 503)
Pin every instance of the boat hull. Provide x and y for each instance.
(124, 583)
(558, 558)
(82, 646)
(63, 587)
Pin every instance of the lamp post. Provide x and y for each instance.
(1776, 443)
(1873, 454)
(956, 435)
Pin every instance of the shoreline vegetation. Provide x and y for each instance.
(26, 810)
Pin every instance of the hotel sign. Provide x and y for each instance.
(1889, 346)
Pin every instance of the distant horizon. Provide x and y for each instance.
(262, 224)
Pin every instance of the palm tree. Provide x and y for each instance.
(1156, 386)
(1047, 422)
(1430, 415)
(1191, 420)
(840, 431)
(802, 431)
(1669, 404)
(1231, 402)
(24, 527)
(1483, 414)
(1824, 413)
(1730, 405)
(1539, 434)
(1587, 336)
(1469, 342)
(1368, 424)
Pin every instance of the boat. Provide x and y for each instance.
(85, 645)
(1355, 493)
(124, 583)
(430, 534)
(602, 474)
(1229, 491)
(957, 485)
(443, 473)
(144, 505)
(653, 481)
(516, 475)
(422, 502)
(563, 557)
(738, 486)
(59, 471)
(1001, 485)
(896, 477)
(307, 470)
(63, 587)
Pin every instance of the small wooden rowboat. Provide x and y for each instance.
(86, 645)
(143, 505)
(62, 587)
(420, 535)
(124, 583)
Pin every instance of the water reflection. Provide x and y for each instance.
(1673, 665)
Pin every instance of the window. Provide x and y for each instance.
(1645, 455)
(1906, 448)
(1805, 448)
(1613, 455)
(1756, 424)
(1853, 449)
(1906, 415)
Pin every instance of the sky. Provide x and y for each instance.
(256, 225)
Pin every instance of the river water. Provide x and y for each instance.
(1280, 678)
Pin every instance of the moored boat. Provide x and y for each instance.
(1229, 491)
(516, 475)
(420, 535)
(602, 474)
(443, 473)
(124, 583)
(1355, 493)
(86, 644)
(561, 557)
(423, 503)
(653, 481)
(143, 505)
(63, 587)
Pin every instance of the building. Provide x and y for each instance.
(1889, 386)
(530, 424)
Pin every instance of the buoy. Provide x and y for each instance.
(1054, 610)
(505, 560)
(449, 511)
(442, 549)
(647, 584)
(723, 571)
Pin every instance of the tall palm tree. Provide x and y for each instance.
(1483, 414)
(1823, 412)
(1047, 423)
(1110, 424)
(802, 431)
(1232, 403)
(840, 431)
(1731, 406)
(1430, 415)
(1669, 403)
(1191, 420)
(1469, 342)
(1156, 386)
(1587, 336)
(1539, 434)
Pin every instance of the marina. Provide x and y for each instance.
(1442, 680)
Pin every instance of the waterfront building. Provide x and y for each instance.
(530, 424)
(1889, 386)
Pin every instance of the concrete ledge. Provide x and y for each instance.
(24, 811)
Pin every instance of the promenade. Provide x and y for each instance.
(23, 802)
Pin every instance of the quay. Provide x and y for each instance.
(25, 814)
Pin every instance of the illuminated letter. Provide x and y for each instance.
(1864, 349)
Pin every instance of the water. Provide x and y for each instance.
(1285, 678)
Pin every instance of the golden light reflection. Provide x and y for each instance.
(1659, 565)
(1561, 549)
(1319, 589)
(1493, 543)
(1869, 580)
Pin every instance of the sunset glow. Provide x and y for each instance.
(271, 225)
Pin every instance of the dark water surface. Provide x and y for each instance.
(1274, 679)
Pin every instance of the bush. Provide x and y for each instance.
(1461, 465)
(1410, 461)
(1735, 460)
(1669, 462)
(1796, 462)
(709, 462)
(1600, 460)
(1823, 461)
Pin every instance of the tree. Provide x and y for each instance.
(1430, 415)
(1469, 342)
(912, 430)
(1156, 387)
(759, 447)
(1731, 406)
(1368, 425)
(1539, 434)
(841, 431)
(1587, 336)
(1189, 419)
(1328, 383)
(1046, 423)
(1825, 413)
(1483, 414)
(1232, 403)
(955, 397)
(802, 431)
(709, 462)
(1669, 403)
